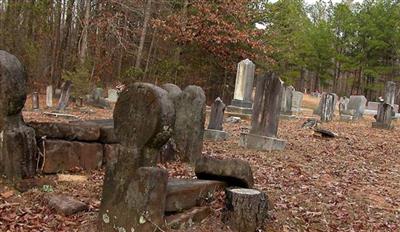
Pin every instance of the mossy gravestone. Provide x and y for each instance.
(17, 141)
(134, 192)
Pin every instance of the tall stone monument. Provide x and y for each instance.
(49, 96)
(297, 101)
(265, 118)
(18, 150)
(287, 103)
(134, 191)
(386, 109)
(242, 103)
(215, 130)
(327, 107)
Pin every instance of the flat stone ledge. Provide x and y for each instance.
(215, 135)
(263, 143)
(287, 116)
(231, 109)
(348, 118)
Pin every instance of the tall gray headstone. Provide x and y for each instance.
(297, 101)
(327, 107)
(265, 118)
(386, 111)
(190, 108)
(215, 130)
(287, 102)
(49, 96)
(242, 98)
(35, 101)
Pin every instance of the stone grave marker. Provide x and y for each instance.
(35, 101)
(355, 108)
(215, 130)
(96, 99)
(112, 95)
(49, 96)
(287, 103)
(297, 101)
(265, 118)
(327, 107)
(18, 148)
(242, 103)
(386, 111)
(190, 109)
(134, 192)
(65, 95)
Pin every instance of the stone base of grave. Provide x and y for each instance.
(348, 118)
(263, 143)
(242, 104)
(379, 125)
(215, 135)
(238, 111)
(287, 116)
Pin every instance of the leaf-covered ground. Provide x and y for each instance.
(348, 183)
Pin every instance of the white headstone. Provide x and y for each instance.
(297, 101)
(49, 96)
(244, 80)
(112, 95)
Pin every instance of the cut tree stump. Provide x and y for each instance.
(245, 209)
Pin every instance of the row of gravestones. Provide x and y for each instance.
(95, 99)
(146, 118)
(351, 109)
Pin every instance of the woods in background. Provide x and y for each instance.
(348, 48)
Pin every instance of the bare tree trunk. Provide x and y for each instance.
(56, 45)
(150, 53)
(147, 14)
(84, 36)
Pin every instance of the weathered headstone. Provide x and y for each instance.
(190, 108)
(35, 101)
(384, 117)
(297, 101)
(112, 95)
(355, 108)
(327, 107)
(134, 191)
(242, 103)
(386, 109)
(65, 94)
(96, 99)
(17, 144)
(287, 103)
(49, 96)
(265, 118)
(215, 130)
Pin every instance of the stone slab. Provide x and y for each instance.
(215, 135)
(242, 104)
(61, 155)
(183, 194)
(347, 118)
(287, 116)
(257, 142)
(234, 172)
(239, 110)
(64, 131)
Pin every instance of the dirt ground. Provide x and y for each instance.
(347, 183)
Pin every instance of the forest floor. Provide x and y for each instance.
(347, 183)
